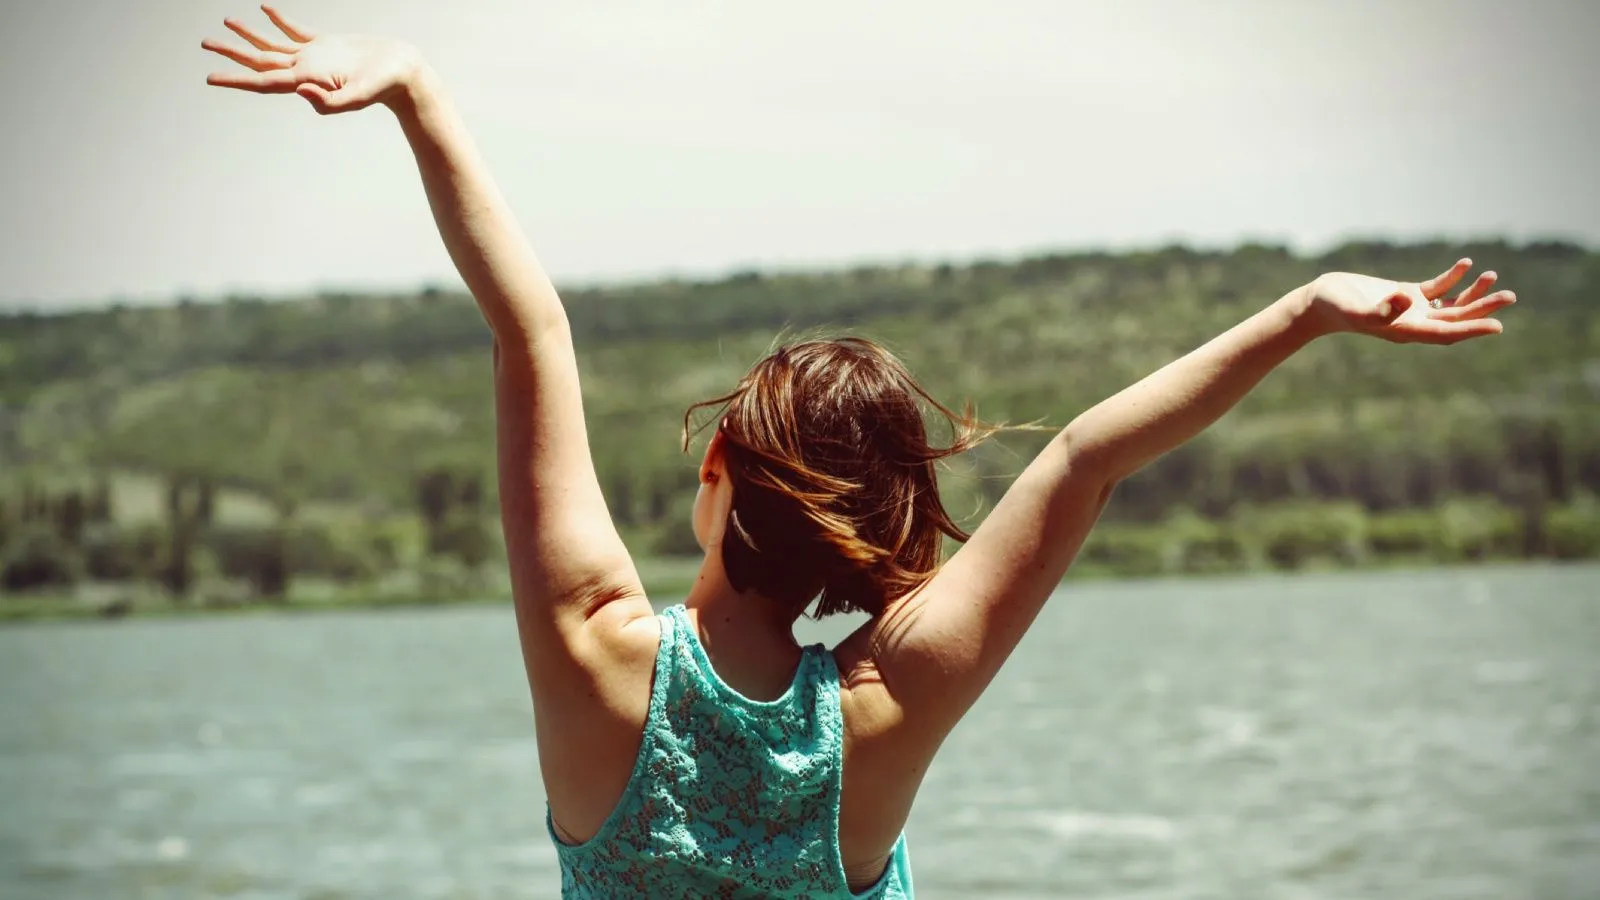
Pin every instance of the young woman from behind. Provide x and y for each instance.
(702, 752)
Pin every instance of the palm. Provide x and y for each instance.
(336, 73)
(1407, 312)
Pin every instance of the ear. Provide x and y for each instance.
(712, 466)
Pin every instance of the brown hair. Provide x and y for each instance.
(834, 482)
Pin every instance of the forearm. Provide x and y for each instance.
(479, 231)
(1122, 434)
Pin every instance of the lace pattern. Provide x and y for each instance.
(730, 798)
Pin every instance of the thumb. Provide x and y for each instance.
(322, 100)
(1390, 308)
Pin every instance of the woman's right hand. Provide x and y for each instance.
(335, 73)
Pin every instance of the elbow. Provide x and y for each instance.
(1089, 466)
(524, 337)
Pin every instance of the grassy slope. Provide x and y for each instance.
(336, 403)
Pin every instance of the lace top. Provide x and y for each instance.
(730, 797)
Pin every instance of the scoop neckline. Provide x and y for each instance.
(692, 635)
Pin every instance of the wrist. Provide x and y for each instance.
(1302, 315)
(415, 85)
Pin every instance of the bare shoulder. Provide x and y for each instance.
(625, 629)
(940, 646)
(590, 707)
(597, 621)
(891, 658)
(595, 669)
(886, 753)
(863, 697)
(879, 721)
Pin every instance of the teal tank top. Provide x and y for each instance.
(730, 797)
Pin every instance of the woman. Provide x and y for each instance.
(702, 752)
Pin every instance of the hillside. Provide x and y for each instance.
(366, 420)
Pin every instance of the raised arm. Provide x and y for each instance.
(566, 558)
(939, 648)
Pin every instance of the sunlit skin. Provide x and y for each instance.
(587, 631)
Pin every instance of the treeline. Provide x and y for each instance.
(58, 538)
(364, 424)
(341, 327)
(1292, 536)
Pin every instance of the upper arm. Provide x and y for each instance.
(939, 647)
(567, 561)
(574, 585)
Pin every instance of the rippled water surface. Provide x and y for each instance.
(1418, 735)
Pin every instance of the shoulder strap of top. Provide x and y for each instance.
(674, 627)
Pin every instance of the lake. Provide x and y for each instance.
(1417, 734)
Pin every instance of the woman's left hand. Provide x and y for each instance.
(1408, 312)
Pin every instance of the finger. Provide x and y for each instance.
(295, 32)
(316, 96)
(1442, 283)
(1391, 308)
(1434, 331)
(256, 40)
(1476, 309)
(342, 100)
(1477, 289)
(253, 59)
(322, 100)
(278, 81)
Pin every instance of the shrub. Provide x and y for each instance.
(125, 552)
(36, 558)
(465, 536)
(1573, 531)
(1476, 529)
(1294, 535)
(1403, 534)
(1197, 545)
(255, 553)
(338, 553)
(1126, 549)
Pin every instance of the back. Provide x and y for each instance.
(729, 797)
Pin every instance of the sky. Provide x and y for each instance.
(644, 139)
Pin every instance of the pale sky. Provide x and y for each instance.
(699, 136)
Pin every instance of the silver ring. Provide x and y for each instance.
(1437, 303)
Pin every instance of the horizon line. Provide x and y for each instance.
(710, 275)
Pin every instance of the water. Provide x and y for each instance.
(1426, 735)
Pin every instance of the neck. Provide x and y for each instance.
(730, 619)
